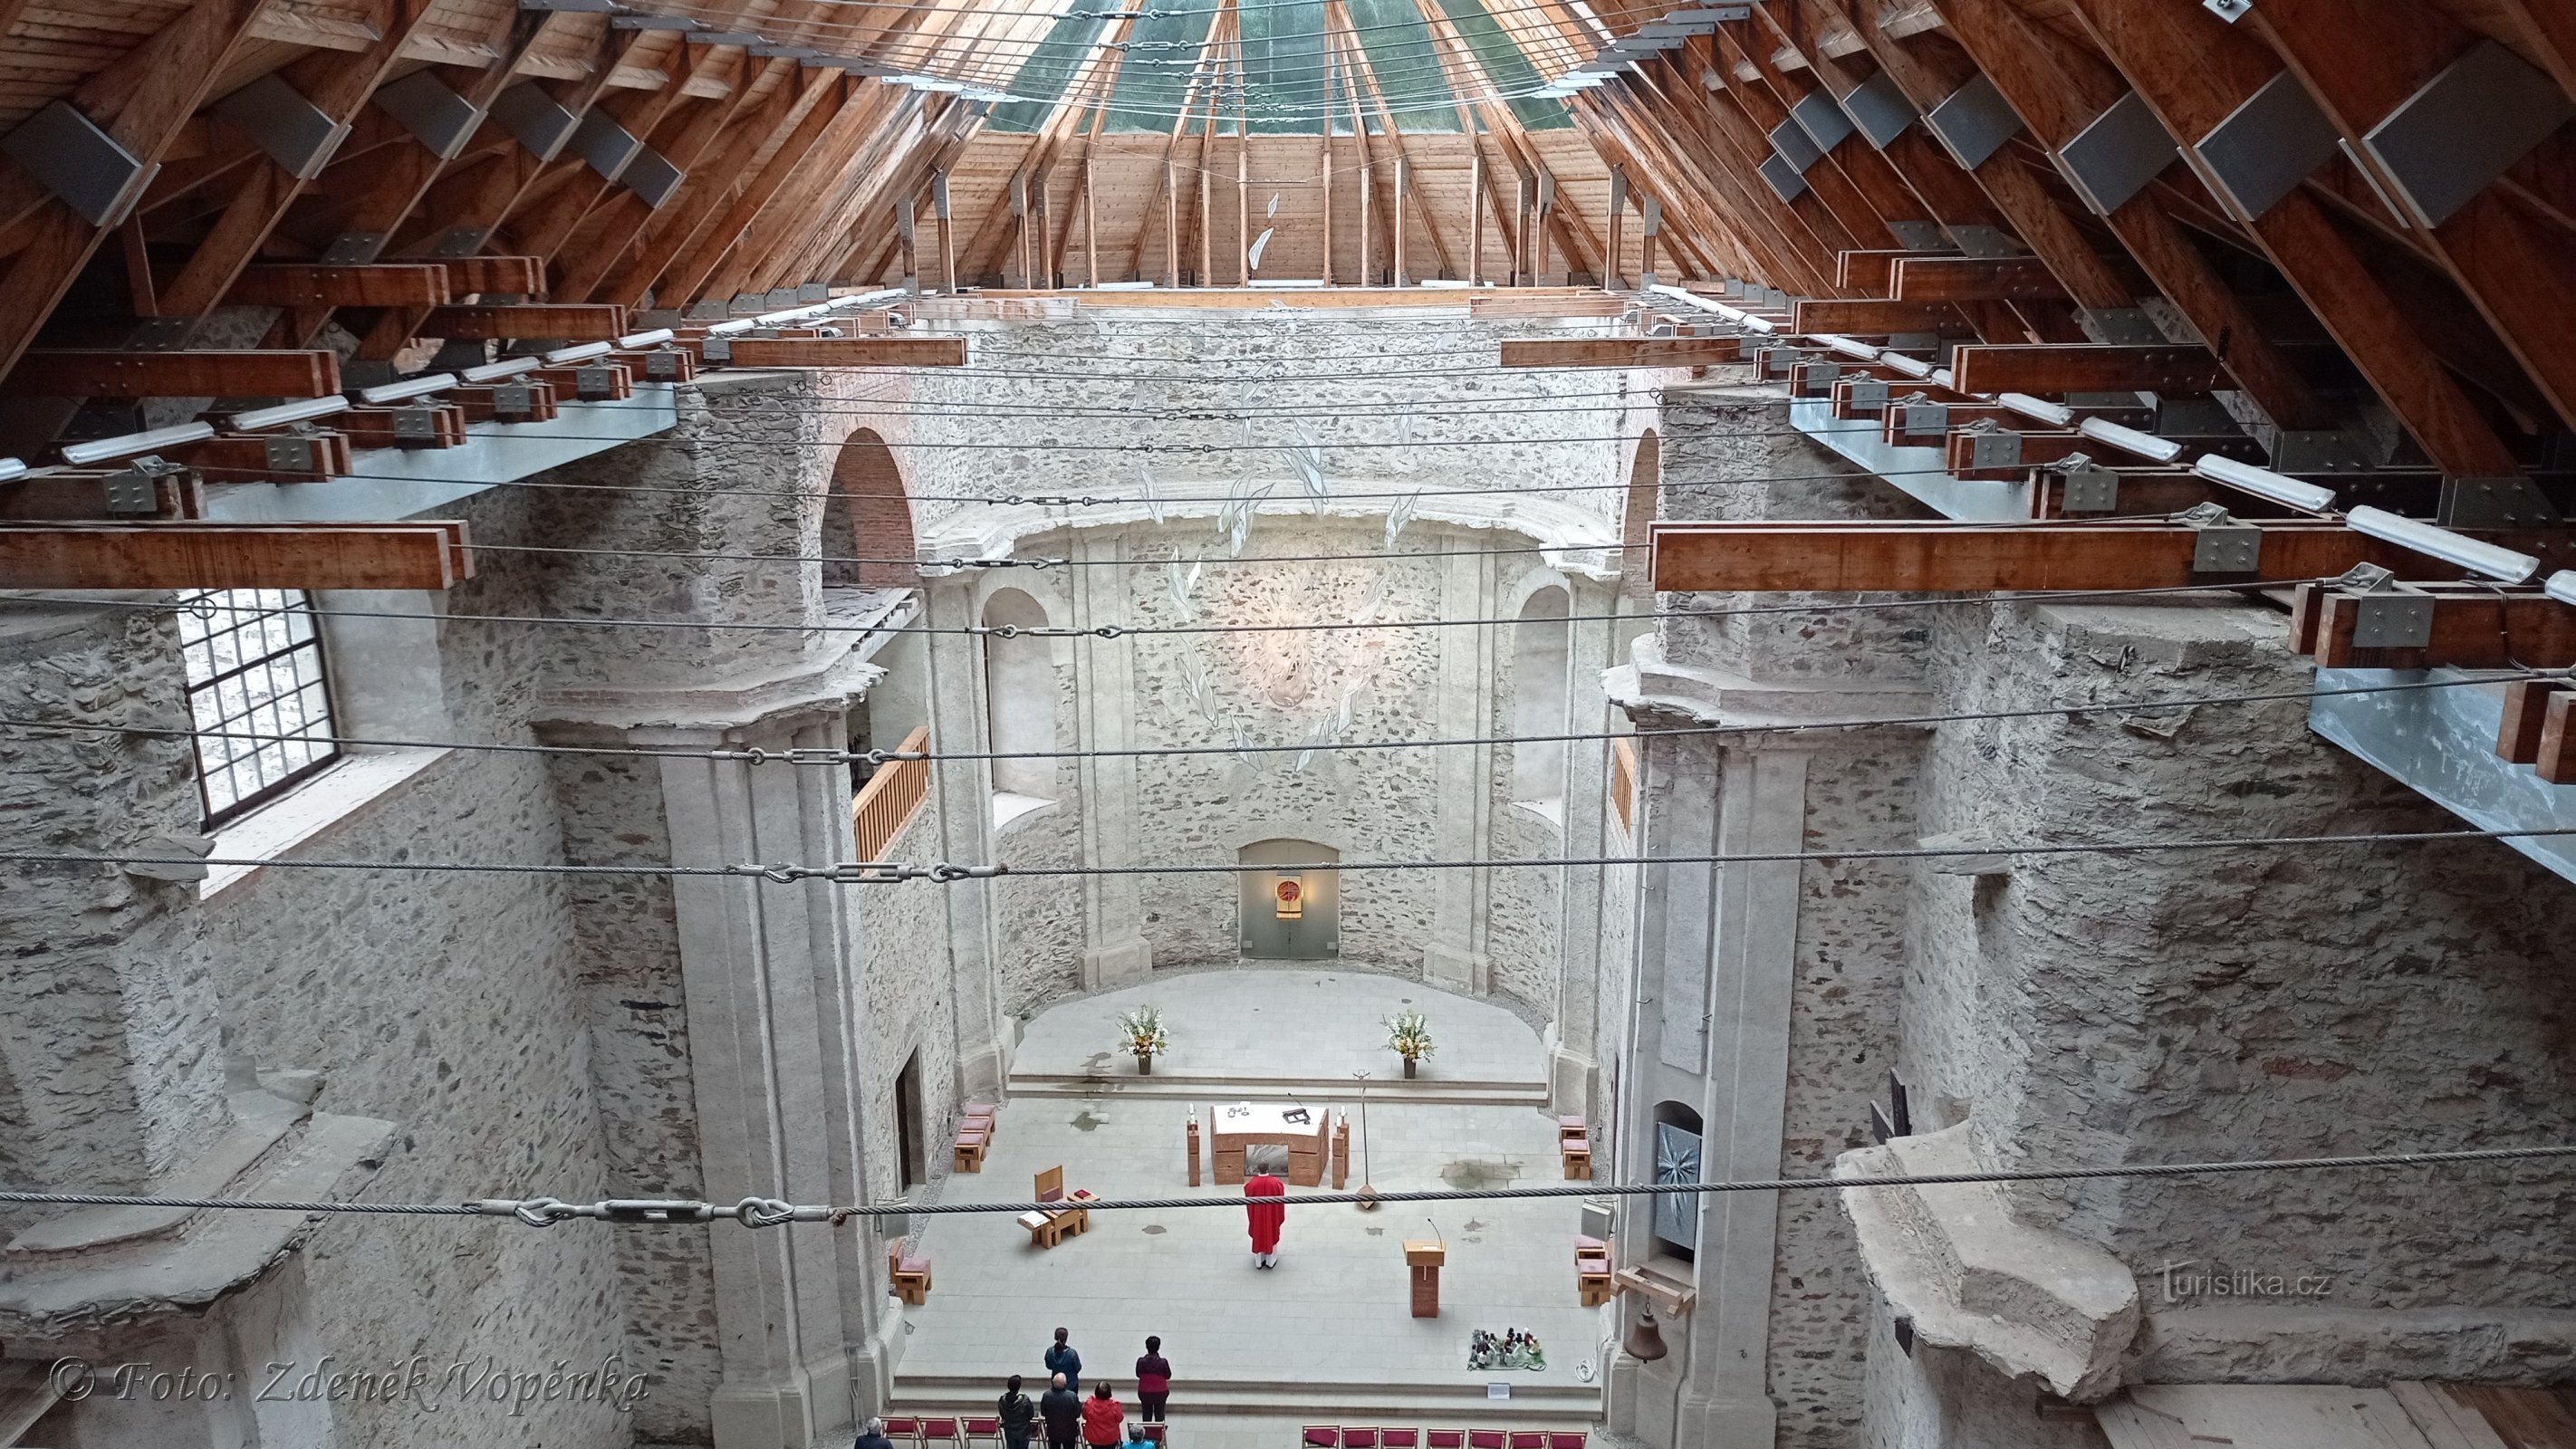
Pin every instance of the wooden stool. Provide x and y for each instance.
(967, 1155)
(1577, 1152)
(910, 1276)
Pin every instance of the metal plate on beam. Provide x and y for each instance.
(1822, 120)
(536, 118)
(2115, 157)
(1974, 122)
(2267, 146)
(1792, 143)
(605, 145)
(1880, 109)
(297, 134)
(1785, 181)
(437, 117)
(652, 176)
(84, 167)
(2459, 132)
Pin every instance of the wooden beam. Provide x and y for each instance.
(849, 352)
(421, 285)
(1875, 318)
(2473, 628)
(2046, 369)
(65, 372)
(573, 321)
(518, 276)
(1912, 558)
(1621, 351)
(1972, 279)
(221, 556)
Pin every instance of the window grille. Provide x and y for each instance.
(254, 663)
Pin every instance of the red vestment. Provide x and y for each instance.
(1266, 1217)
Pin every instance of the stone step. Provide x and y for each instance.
(1237, 1087)
(1551, 1400)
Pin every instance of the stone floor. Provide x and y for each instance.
(1325, 1335)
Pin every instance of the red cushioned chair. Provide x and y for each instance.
(1528, 1439)
(1322, 1436)
(982, 1432)
(1484, 1439)
(1444, 1439)
(1153, 1432)
(1399, 1439)
(939, 1434)
(1567, 1439)
(900, 1430)
(1358, 1437)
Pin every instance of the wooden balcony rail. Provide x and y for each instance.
(885, 804)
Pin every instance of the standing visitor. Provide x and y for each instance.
(1104, 1423)
(1266, 1214)
(1153, 1382)
(1019, 1416)
(1061, 1359)
(872, 1436)
(1062, 1410)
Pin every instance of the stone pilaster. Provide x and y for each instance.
(963, 798)
(1114, 950)
(1455, 957)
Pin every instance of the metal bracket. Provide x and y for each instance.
(84, 167)
(2114, 157)
(355, 248)
(1783, 178)
(1974, 122)
(1982, 241)
(2514, 502)
(813, 291)
(136, 488)
(1916, 416)
(295, 451)
(460, 241)
(605, 145)
(594, 382)
(2326, 450)
(2220, 544)
(511, 399)
(1822, 120)
(1919, 236)
(716, 349)
(652, 177)
(437, 117)
(1794, 145)
(415, 427)
(1775, 361)
(539, 121)
(1880, 109)
(1820, 378)
(662, 365)
(297, 134)
(1991, 445)
(2125, 325)
(2089, 487)
(2267, 146)
(1868, 392)
(2463, 128)
(2389, 614)
(2230, 11)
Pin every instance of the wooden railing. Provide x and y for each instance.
(1623, 784)
(885, 804)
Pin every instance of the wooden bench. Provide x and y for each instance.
(1049, 1226)
(1592, 1271)
(910, 1276)
(967, 1153)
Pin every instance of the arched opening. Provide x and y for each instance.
(866, 517)
(1019, 703)
(1677, 1159)
(1645, 479)
(1290, 914)
(1541, 651)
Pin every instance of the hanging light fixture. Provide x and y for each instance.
(1645, 1343)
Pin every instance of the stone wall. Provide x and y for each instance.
(2263, 1002)
(901, 931)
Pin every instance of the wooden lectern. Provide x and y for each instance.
(1424, 1256)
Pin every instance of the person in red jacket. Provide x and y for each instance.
(1267, 1212)
(1153, 1382)
(1104, 1423)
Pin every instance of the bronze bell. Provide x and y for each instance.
(1645, 1344)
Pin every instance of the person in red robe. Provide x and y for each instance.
(1267, 1211)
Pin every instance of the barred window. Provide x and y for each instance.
(256, 689)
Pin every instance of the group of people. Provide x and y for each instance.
(1072, 1421)
(1100, 1421)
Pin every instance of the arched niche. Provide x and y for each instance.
(1019, 702)
(1645, 486)
(1289, 914)
(1542, 647)
(867, 517)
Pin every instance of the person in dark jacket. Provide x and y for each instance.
(1019, 1416)
(1062, 1410)
(1104, 1422)
(1061, 1359)
(1153, 1382)
(872, 1436)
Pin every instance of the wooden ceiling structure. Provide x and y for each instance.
(2345, 224)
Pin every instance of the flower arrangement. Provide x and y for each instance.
(1141, 1031)
(1408, 1034)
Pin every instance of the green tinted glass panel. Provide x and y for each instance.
(1048, 70)
(1154, 80)
(1407, 69)
(1504, 64)
(1283, 67)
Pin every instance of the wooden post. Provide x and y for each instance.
(1546, 204)
(1368, 251)
(1331, 64)
(1475, 217)
(1090, 227)
(1648, 226)
(1171, 225)
(1194, 1149)
(1395, 213)
(947, 237)
(1341, 1151)
(1611, 278)
(903, 234)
